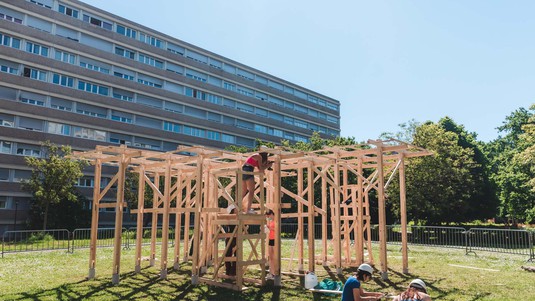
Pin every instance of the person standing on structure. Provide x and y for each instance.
(260, 161)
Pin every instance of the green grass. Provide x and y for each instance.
(57, 275)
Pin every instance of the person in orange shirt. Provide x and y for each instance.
(270, 215)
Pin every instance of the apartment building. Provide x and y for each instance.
(74, 74)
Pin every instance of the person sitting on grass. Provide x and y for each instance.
(417, 290)
(352, 289)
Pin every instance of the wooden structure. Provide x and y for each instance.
(194, 185)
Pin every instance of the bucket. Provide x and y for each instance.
(311, 280)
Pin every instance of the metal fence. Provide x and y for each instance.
(510, 241)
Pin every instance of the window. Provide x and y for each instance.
(68, 11)
(34, 74)
(63, 80)
(228, 138)
(122, 75)
(88, 133)
(41, 4)
(125, 31)
(195, 93)
(332, 119)
(123, 95)
(4, 174)
(332, 106)
(65, 56)
(229, 86)
(175, 49)
(216, 64)
(171, 127)
(32, 101)
(10, 18)
(36, 49)
(276, 101)
(97, 22)
(150, 40)
(58, 128)
(30, 124)
(245, 91)
(300, 123)
(85, 182)
(149, 83)
(9, 41)
(196, 75)
(193, 131)
(93, 66)
(125, 52)
(214, 99)
(260, 128)
(8, 69)
(21, 175)
(275, 85)
(245, 74)
(28, 150)
(61, 104)
(261, 96)
(261, 112)
(5, 147)
(93, 88)
(121, 116)
(150, 61)
(213, 135)
(244, 107)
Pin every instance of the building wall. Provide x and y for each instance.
(74, 74)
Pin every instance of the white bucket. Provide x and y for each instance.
(311, 280)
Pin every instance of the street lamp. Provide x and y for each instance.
(15, 220)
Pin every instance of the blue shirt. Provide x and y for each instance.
(347, 293)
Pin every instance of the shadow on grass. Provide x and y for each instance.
(147, 285)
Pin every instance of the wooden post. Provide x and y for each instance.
(336, 222)
(300, 224)
(178, 222)
(165, 220)
(94, 220)
(119, 209)
(277, 209)
(359, 237)
(403, 209)
(197, 222)
(382, 212)
(140, 213)
(311, 211)
(154, 224)
(324, 217)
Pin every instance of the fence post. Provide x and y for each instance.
(531, 236)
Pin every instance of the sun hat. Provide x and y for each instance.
(230, 208)
(419, 284)
(366, 268)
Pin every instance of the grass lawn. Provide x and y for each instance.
(449, 274)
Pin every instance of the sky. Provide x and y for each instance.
(387, 62)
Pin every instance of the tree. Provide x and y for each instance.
(512, 161)
(52, 180)
(445, 187)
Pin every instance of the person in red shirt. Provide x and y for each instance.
(259, 161)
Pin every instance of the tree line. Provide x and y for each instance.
(465, 180)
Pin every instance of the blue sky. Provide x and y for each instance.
(387, 62)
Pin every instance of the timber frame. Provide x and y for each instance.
(194, 185)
